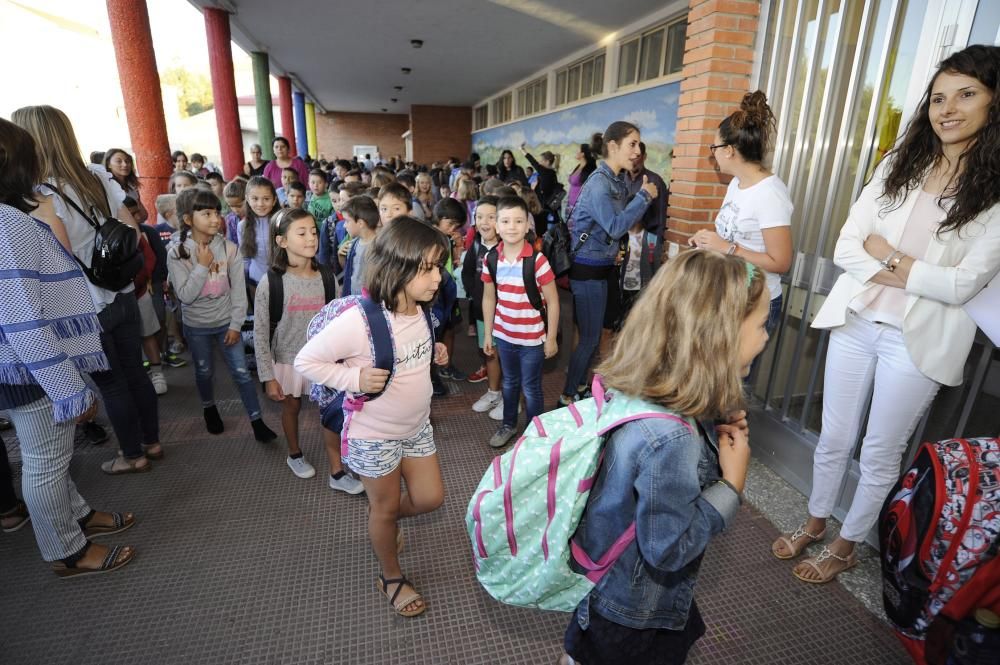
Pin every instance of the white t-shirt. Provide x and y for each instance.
(745, 213)
(81, 233)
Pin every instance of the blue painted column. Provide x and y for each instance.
(301, 140)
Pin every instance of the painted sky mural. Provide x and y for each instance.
(653, 110)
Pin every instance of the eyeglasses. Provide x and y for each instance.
(712, 147)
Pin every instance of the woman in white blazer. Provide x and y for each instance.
(921, 240)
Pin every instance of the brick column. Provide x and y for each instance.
(227, 117)
(147, 127)
(718, 61)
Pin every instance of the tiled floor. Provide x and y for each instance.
(241, 562)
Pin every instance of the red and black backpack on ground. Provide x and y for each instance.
(939, 532)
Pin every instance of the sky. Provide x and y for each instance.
(80, 75)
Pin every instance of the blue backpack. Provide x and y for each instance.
(336, 403)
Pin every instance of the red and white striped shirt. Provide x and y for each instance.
(516, 321)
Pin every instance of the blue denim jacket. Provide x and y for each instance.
(659, 474)
(601, 217)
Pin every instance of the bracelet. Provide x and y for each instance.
(887, 264)
(739, 495)
(897, 261)
(732, 250)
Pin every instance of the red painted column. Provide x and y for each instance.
(287, 119)
(227, 116)
(140, 83)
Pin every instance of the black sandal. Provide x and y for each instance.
(118, 556)
(122, 521)
(399, 604)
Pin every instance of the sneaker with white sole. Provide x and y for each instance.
(489, 400)
(300, 467)
(502, 437)
(347, 483)
(497, 412)
(159, 381)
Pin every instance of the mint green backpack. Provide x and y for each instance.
(526, 509)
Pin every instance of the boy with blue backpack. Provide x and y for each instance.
(521, 312)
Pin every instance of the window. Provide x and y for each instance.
(582, 79)
(502, 109)
(654, 53)
(531, 97)
(481, 117)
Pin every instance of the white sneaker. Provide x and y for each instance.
(347, 483)
(488, 401)
(159, 382)
(176, 347)
(300, 467)
(497, 412)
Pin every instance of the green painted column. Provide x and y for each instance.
(262, 94)
(311, 129)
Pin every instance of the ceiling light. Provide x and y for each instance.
(397, 87)
(406, 70)
(393, 100)
(385, 110)
(416, 43)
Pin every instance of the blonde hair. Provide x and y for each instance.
(689, 320)
(59, 155)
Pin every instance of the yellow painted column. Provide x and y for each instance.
(311, 129)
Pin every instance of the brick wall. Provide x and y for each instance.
(337, 133)
(440, 132)
(718, 61)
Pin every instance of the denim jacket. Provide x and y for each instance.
(602, 216)
(659, 474)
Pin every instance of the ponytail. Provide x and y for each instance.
(750, 129)
(182, 252)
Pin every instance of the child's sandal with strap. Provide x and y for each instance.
(399, 604)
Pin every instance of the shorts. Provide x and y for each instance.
(481, 333)
(611, 643)
(149, 322)
(159, 306)
(332, 418)
(374, 458)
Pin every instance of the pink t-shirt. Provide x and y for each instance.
(335, 356)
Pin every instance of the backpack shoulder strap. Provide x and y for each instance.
(275, 298)
(491, 263)
(329, 283)
(378, 327)
(530, 285)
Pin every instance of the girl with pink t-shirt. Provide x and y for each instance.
(391, 437)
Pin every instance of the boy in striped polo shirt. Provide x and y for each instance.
(515, 325)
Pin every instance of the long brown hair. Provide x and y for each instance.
(279, 227)
(397, 256)
(60, 157)
(688, 323)
(131, 180)
(248, 247)
(973, 188)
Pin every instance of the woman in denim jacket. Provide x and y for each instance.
(704, 317)
(601, 218)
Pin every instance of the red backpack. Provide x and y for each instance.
(939, 532)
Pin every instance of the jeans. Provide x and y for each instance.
(590, 297)
(128, 394)
(201, 342)
(862, 352)
(522, 369)
(52, 499)
(773, 319)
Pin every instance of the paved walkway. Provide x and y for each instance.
(240, 562)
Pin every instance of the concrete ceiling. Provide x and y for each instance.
(348, 54)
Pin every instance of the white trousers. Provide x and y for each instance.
(861, 352)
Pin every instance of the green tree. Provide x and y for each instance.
(195, 90)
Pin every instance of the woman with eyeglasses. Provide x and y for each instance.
(755, 220)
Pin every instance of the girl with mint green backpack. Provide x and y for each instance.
(606, 507)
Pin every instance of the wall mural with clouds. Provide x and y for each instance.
(653, 110)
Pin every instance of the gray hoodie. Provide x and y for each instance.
(210, 297)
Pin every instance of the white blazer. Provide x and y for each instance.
(937, 331)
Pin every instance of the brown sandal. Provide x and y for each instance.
(801, 536)
(119, 522)
(18, 516)
(153, 452)
(399, 604)
(849, 562)
(117, 557)
(120, 465)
